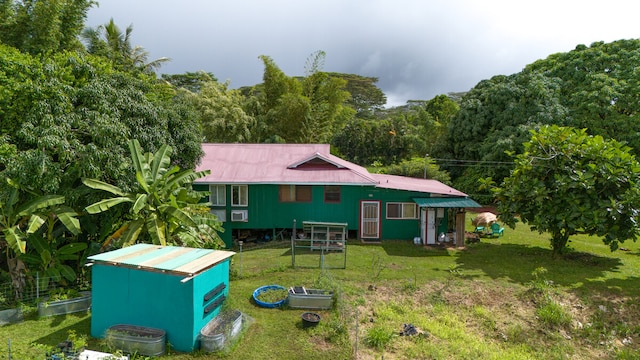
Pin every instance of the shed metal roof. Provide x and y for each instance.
(172, 259)
(446, 202)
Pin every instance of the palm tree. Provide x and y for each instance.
(164, 209)
(109, 41)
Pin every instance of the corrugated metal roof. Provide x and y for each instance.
(309, 164)
(277, 164)
(173, 259)
(446, 202)
(415, 184)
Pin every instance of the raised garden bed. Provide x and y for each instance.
(66, 306)
(302, 298)
(270, 296)
(10, 316)
(137, 339)
(221, 329)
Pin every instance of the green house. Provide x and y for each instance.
(266, 191)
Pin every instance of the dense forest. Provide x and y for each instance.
(73, 98)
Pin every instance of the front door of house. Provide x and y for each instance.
(428, 225)
(370, 220)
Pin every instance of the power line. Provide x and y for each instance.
(474, 161)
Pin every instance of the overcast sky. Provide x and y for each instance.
(416, 48)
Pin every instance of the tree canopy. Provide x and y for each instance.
(43, 26)
(592, 87)
(567, 182)
(70, 116)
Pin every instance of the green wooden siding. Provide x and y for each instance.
(265, 211)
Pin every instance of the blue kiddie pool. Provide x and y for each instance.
(266, 288)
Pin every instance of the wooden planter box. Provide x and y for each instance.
(137, 339)
(301, 298)
(68, 306)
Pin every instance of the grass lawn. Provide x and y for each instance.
(501, 298)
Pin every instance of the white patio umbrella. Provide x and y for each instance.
(484, 219)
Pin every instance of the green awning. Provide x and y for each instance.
(446, 202)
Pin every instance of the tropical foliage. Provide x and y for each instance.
(567, 182)
(592, 87)
(163, 209)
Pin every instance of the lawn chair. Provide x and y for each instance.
(496, 230)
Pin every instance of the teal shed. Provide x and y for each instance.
(176, 289)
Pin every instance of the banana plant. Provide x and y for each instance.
(22, 222)
(163, 208)
(51, 258)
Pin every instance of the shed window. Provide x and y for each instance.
(294, 193)
(402, 211)
(239, 195)
(332, 194)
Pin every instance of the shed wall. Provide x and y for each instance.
(160, 300)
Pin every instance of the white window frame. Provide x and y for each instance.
(403, 205)
(218, 195)
(242, 199)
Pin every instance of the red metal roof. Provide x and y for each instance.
(414, 184)
(278, 164)
(310, 164)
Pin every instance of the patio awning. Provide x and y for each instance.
(446, 202)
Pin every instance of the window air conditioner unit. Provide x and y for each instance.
(239, 215)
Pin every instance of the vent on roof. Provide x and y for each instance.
(239, 215)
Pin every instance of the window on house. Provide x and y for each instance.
(402, 211)
(239, 195)
(294, 193)
(220, 213)
(218, 195)
(332, 193)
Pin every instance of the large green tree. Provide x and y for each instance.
(567, 182)
(70, 117)
(366, 98)
(593, 87)
(495, 118)
(600, 86)
(300, 110)
(222, 114)
(43, 26)
(366, 142)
